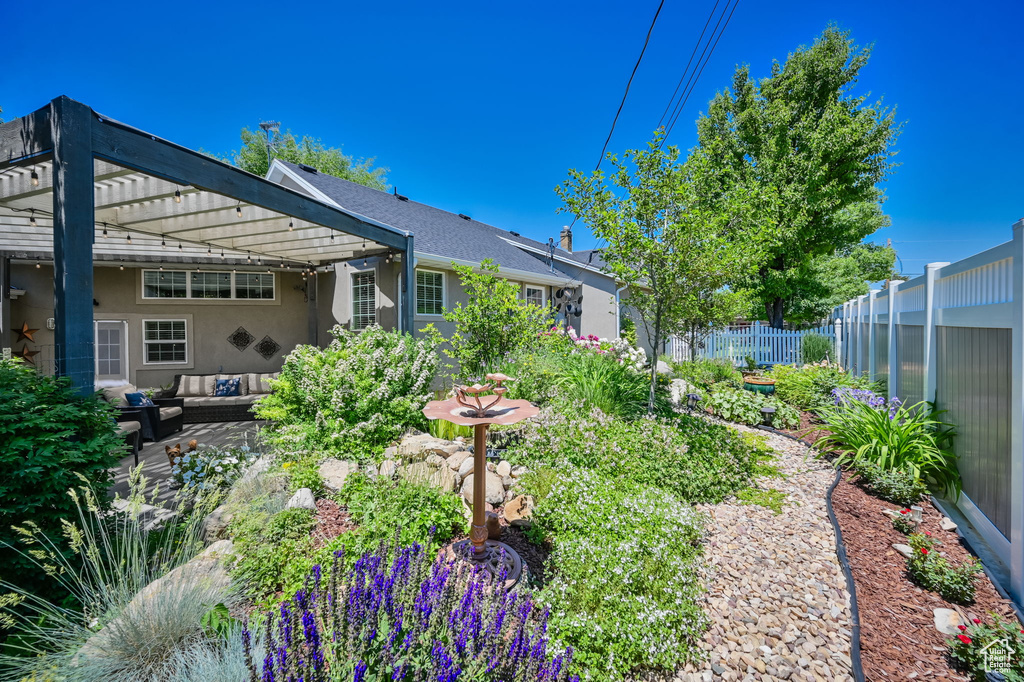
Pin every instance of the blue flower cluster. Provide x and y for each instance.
(398, 616)
(845, 395)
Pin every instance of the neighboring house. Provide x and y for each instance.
(366, 288)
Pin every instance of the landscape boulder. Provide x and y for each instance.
(215, 525)
(302, 499)
(336, 471)
(518, 511)
(455, 461)
(495, 492)
(388, 468)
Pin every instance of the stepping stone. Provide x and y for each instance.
(905, 550)
(947, 523)
(947, 621)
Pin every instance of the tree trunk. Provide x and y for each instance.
(654, 363)
(773, 309)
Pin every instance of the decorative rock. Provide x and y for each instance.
(518, 511)
(435, 460)
(905, 550)
(518, 471)
(507, 481)
(391, 452)
(302, 499)
(947, 523)
(503, 469)
(388, 468)
(417, 472)
(445, 479)
(946, 621)
(493, 526)
(495, 491)
(892, 514)
(215, 524)
(370, 471)
(491, 467)
(455, 461)
(335, 471)
(466, 468)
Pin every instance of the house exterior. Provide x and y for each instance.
(365, 289)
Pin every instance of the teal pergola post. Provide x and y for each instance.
(73, 233)
(408, 287)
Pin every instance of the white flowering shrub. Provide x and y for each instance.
(211, 467)
(621, 349)
(354, 396)
(624, 587)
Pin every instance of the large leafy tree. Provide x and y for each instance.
(307, 150)
(676, 234)
(802, 137)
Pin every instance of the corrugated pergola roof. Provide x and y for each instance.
(159, 215)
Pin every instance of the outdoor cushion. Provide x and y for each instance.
(216, 401)
(243, 381)
(227, 387)
(259, 383)
(196, 384)
(129, 427)
(169, 412)
(115, 394)
(138, 399)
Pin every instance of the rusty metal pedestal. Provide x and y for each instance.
(466, 408)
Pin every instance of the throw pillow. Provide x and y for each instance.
(226, 387)
(138, 399)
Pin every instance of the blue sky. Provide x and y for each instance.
(481, 108)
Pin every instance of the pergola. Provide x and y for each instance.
(76, 187)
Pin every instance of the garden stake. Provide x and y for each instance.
(479, 406)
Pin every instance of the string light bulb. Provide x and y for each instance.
(291, 225)
(104, 230)
(122, 264)
(177, 196)
(364, 261)
(179, 247)
(32, 218)
(209, 250)
(222, 253)
(129, 237)
(332, 236)
(34, 177)
(163, 242)
(38, 265)
(238, 210)
(248, 256)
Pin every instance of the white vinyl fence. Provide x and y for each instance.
(954, 336)
(766, 345)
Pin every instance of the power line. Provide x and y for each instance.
(689, 61)
(682, 103)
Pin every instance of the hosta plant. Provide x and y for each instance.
(910, 439)
(932, 571)
(738, 405)
(892, 485)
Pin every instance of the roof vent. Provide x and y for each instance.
(398, 196)
(514, 233)
(464, 216)
(308, 169)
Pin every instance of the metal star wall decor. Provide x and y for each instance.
(25, 333)
(27, 355)
(267, 347)
(241, 338)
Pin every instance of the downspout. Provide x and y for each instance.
(618, 312)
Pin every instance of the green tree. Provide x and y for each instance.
(821, 151)
(494, 322)
(309, 151)
(675, 233)
(710, 310)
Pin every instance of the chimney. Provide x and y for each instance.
(566, 237)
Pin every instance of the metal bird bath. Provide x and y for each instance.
(480, 406)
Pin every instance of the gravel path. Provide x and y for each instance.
(777, 597)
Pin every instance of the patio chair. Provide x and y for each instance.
(129, 423)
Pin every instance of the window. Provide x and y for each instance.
(164, 341)
(534, 295)
(110, 351)
(364, 299)
(157, 284)
(207, 285)
(254, 285)
(429, 292)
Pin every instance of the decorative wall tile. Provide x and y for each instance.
(267, 347)
(241, 338)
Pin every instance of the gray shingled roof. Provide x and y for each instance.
(437, 232)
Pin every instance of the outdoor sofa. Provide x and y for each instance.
(157, 421)
(196, 393)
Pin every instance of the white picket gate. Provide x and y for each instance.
(767, 346)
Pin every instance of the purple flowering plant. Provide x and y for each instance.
(846, 394)
(397, 615)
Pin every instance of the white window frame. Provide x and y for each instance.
(543, 293)
(352, 298)
(146, 342)
(125, 353)
(444, 292)
(188, 286)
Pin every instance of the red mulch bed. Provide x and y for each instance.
(331, 521)
(897, 634)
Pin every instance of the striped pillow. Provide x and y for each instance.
(193, 385)
(259, 383)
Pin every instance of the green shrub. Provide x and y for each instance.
(892, 485)
(624, 587)
(903, 524)
(810, 387)
(744, 407)
(305, 473)
(270, 548)
(1000, 638)
(353, 397)
(51, 436)
(909, 439)
(933, 572)
(817, 347)
(536, 372)
(397, 511)
(493, 323)
(688, 456)
(704, 372)
(446, 430)
(209, 466)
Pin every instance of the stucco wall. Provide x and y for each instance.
(208, 322)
